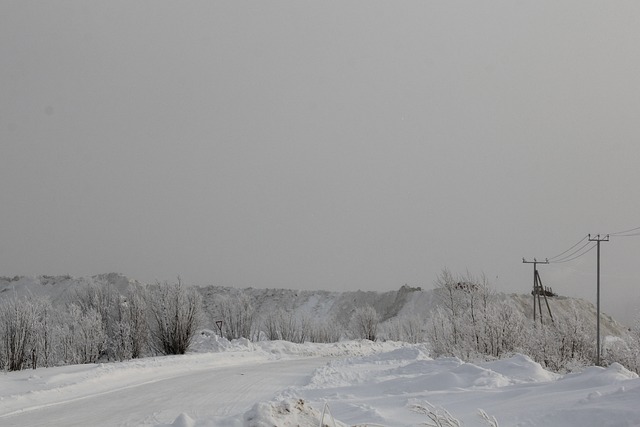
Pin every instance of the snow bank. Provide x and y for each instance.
(285, 413)
(521, 368)
(207, 341)
(397, 387)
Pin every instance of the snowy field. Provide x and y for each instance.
(282, 384)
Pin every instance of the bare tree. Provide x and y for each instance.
(287, 326)
(130, 332)
(270, 325)
(91, 339)
(407, 328)
(364, 322)
(82, 335)
(137, 318)
(237, 315)
(325, 331)
(18, 319)
(45, 337)
(305, 329)
(176, 311)
(412, 328)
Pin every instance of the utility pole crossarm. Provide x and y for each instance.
(535, 261)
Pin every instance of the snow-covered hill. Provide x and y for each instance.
(59, 289)
(390, 305)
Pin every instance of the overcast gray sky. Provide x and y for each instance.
(321, 145)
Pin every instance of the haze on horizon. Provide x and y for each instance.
(321, 145)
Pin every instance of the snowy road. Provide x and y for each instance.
(203, 393)
(276, 383)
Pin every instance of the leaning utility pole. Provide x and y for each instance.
(538, 289)
(598, 239)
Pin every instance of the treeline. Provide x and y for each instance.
(98, 323)
(468, 320)
(471, 322)
(238, 318)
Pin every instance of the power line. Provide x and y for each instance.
(571, 256)
(625, 235)
(625, 231)
(568, 256)
(562, 253)
(577, 256)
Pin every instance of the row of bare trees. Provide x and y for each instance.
(285, 325)
(98, 323)
(239, 320)
(471, 321)
(101, 323)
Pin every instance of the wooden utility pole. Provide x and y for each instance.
(598, 239)
(538, 289)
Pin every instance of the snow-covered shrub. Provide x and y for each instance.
(107, 302)
(469, 321)
(441, 332)
(624, 350)
(305, 329)
(121, 343)
(237, 316)
(270, 326)
(325, 331)
(391, 330)
(282, 325)
(412, 328)
(501, 329)
(137, 308)
(46, 336)
(406, 328)
(130, 331)
(288, 326)
(82, 335)
(102, 298)
(364, 322)
(176, 311)
(18, 319)
(621, 350)
(465, 321)
(564, 344)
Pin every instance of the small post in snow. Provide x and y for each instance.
(219, 325)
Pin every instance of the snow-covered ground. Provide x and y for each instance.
(283, 384)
